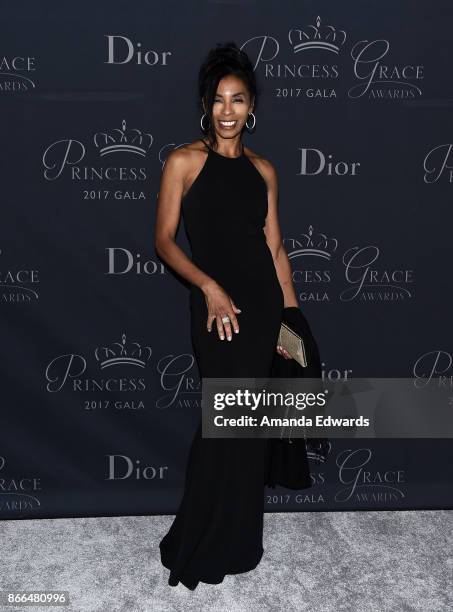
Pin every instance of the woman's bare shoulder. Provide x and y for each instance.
(185, 158)
(184, 163)
(189, 149)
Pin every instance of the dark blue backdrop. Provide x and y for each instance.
(99, 387)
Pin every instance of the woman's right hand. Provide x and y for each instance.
(220, 305)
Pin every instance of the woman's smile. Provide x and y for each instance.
(227, 125)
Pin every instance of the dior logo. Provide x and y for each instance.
(314, 161)
(121, 50)
(122, 261)
(121, 467)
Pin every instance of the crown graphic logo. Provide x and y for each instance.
(318, 245)
(119, 353)
(315, 450)
(120, 140)
(317, 37)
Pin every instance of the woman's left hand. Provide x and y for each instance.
(281, 351)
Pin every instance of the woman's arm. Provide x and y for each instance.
(167, 220)
(273, 236)
(218, 302)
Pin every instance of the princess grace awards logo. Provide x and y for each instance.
(315, 262)
(179, 381)
(18, 285)
(18, 493)
(317, 36)
(436, 365)
(438, 164)
(380, 79)
(110, 157)
(118, 353)
(368, 282)
(17, 73)
(121, 370)
(311, 254)
(362, 484)
(70, 372)
(306, 66)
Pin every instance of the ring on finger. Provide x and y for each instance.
(225, 319)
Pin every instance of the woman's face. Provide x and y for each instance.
(231, 108)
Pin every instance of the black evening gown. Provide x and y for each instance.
(218, 529)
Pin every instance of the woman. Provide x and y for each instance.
(240, 282)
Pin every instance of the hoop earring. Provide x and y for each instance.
(254, 122)
(201, 123)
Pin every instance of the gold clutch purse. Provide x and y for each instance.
(293, 343)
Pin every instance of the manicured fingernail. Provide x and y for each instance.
(222, 337)
(236, 331)
(229, 337)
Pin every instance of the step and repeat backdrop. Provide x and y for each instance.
(100, 391)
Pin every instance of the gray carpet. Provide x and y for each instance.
(314, 561)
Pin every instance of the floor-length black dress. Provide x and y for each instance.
(218, 528)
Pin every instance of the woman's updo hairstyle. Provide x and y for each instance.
(222, 60)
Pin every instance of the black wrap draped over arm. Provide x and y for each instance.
(288, 458)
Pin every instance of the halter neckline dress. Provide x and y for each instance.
(218, 528)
